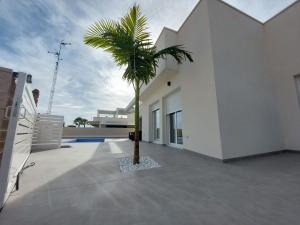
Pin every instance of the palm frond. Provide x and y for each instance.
(136, 24)
(129, 43)
(176, 51)
(111, 37)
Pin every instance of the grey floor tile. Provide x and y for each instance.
(83, 185)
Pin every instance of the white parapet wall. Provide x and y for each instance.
(48, 132)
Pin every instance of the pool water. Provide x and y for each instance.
(80, 140)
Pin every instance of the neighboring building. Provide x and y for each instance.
(119, 118)
(240, 97)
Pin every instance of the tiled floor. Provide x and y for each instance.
(83, 185)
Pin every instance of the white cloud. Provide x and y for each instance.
(88, 78)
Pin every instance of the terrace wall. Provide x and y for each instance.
(247, 105)
(283, 49)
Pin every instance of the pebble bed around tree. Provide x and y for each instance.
(126, 164)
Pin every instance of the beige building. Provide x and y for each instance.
(240, 97)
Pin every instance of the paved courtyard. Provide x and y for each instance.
(83, 185)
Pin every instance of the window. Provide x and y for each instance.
(156, 124)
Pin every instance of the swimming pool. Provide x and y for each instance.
(87, 139)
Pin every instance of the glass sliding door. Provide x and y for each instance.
(179, 127)
(172, 128)
(174, 121)
(156, 124)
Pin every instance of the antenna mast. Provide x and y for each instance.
(58, 58)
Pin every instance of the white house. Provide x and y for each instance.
(119, 118)
(239, 97)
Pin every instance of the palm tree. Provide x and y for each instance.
(129, 43)
(78, 121)
(84, 122)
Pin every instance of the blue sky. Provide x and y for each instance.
(88, 78)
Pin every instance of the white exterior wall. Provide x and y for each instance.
(200, 112)
(158, 92)
(157, 88)
(246, 97)
(283, 45)
(239, 96)
(196, 84)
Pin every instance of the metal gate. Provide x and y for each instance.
(17, 137)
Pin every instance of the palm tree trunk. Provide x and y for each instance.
(136, 155)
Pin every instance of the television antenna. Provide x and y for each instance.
(58, 58)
